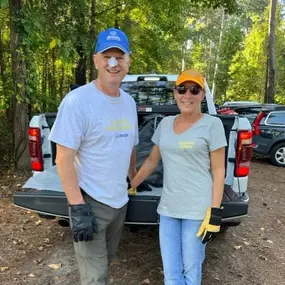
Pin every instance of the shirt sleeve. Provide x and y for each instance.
(68, 128)
(157, 134)
(217, 135)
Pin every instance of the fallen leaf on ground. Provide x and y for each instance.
(237, 247)
(146, 281)
(2, 269)
(55, 266)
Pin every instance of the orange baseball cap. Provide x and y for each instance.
(190, 75)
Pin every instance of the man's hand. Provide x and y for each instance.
(211, 224)
(83, 222)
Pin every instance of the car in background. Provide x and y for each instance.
(252, 110)
(239, 103)
(269, 134)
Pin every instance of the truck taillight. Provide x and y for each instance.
(244, 153)
(35, 149)
(256, 123)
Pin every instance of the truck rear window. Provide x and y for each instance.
(150, 92)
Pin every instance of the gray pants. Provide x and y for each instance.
(94, 257)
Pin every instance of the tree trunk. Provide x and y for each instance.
(44, 84)
(184, 51)
(3, 66)
(218, 54)
(265, 99)
(2, 62)
(4, 78)
(53, 82)
(117, 14)
(269, 95)
(61, 83)
(92, 72)
(80, 71)
(19, 100)
(81, 66)
(208, 75)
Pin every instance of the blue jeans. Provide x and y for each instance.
(182, 252)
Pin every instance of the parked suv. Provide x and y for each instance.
(269, 134)
(252, 110)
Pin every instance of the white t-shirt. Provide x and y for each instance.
(103, 130)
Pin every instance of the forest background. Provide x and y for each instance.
(47, 45)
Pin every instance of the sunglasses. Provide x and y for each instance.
(194, 89)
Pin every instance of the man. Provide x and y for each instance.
(96, 133)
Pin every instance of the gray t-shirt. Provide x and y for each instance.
(104, 131)
(187, 181)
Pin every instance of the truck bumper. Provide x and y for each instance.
(142, 210)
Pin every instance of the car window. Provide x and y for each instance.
(276, 118)
(246, 111)
(150, 92)
(250, 117)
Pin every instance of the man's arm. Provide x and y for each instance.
(65, 166)
(133, 169)
(218, 171)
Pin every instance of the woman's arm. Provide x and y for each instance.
(147, 168)
(132, 169)
(218, 171)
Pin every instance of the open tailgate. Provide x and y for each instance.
(141, 208)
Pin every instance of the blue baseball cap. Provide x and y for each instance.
(112, 38)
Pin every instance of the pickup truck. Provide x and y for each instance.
(153, 93)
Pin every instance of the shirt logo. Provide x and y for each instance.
(113, 37)
(119, 125)
(186, 145)
(117, 136)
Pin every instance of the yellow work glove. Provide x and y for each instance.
(211, 224)
(132, 192)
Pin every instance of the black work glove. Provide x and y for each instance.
(211, 224)
(83, 222)
(143, 187)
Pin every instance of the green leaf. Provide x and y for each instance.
(3, 3)
(53, 43)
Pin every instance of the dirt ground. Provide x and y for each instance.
(38, 251)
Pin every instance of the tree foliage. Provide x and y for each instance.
(56, 43)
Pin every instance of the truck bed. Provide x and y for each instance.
(142, 208)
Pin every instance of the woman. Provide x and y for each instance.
(192, 148)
